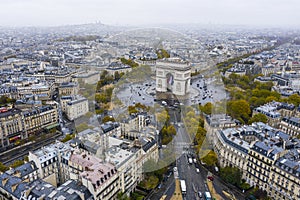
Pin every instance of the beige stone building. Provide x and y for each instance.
(267, 157)
(11, 126)
(91, 77)
(68, 89)
(102, 179)
(74, 106)
(36, 119)
(285, 177)
(290, 125)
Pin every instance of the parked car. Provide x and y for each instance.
(200, 194)
(211, 178)
(175, 169)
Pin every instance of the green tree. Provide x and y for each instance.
(171, 130)
(129, 62)
(210, 159)
(162, 53)
(6, 100)
(82, 127)
(108, 119)
(294, 99)
(258, 118)
(270, 99)
(17, 163)
(3, 167)
(207, 108)
(163, 117)
(68, 137)
(231, 175)
(132, 110)
(239, 109)
(122, 196)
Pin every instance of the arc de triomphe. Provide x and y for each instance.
(173, 75)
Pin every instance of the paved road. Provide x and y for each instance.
(135, 93)
(195, 181)
(209, 91)
(19, 153)
(168, 188)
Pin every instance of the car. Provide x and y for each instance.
(211, 178)
(200, 194)
(175, 169)
(165, 179)
(197, 170)
(159, 186)
(169, 174)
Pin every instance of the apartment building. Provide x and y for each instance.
(14, 181)
(212, 123)
(102, 179)
(290, 125)
(50, 161)
(68, 89)
(262, 156)
(71, 190)
(111, 129)
(40, 90)
(133, 125)
(39, 118)
(267, 157)
(91, 77)
(231, 149)
(75, 106)
(285, 177)
(125, 164)
(11, 126)
(275, 111)
(271, 112)
(28, 172)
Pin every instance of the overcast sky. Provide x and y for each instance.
(140, 12)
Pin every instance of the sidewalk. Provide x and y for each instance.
(177, 194)
(212, 190)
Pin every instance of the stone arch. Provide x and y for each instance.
(170, 81)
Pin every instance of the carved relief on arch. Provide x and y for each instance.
(159, 83)
(178, 87)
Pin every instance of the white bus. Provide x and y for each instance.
(183, 186)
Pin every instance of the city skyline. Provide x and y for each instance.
(134, 12)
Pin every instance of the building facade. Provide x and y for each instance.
(11, 127)
(290, 125)
(267, 157)
(37, 119)
(75, 107)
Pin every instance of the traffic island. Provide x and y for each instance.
(177, 194)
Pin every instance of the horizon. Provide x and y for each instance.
(38, 13)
